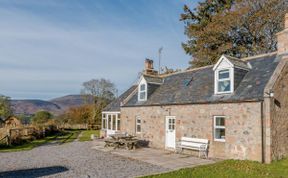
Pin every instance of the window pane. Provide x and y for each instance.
(139, 121)
(138, 128)
(119, 116)
(114, 122)
(104, 123)
(220, 121)
(223, 74)
(142, 87)
(142, 95)
(104, 116)
(118, 124)
(173, 127)
(109, 121)
(219, 133)
(224, 86)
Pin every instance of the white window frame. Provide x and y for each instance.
(231, 79)
(104, 125)
(138, 124)
(142, 82)
(107, 125)
(218, 127)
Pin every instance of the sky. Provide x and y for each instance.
(48, 48)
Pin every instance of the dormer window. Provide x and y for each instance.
(224, 76)
(142, 92)
(224, 81)
(228, 73)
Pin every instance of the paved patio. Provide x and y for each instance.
(163, 158)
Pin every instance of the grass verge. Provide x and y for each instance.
(232, 168)
(60, 138)
(86, 135)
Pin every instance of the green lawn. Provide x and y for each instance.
(63, 137)
(232, 169)
(86, 135)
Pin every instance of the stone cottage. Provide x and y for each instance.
(239, 105)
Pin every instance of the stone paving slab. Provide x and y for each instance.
(163, 158)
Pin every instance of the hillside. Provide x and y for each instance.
(55, 106)
(68, 101)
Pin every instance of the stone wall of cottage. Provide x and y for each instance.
(279, 117)
(243, 126)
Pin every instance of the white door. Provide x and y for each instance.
(170, 142)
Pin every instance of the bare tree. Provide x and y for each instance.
(102, 91)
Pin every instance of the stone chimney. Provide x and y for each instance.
(282, 38)
(149, 69)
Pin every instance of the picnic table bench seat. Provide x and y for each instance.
(110, 142)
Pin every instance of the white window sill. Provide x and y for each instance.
(219, 140)
(223, 93)
(142, 100)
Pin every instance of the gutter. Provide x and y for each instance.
(194, 103)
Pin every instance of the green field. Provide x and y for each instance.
(232, 169)
(59, 138)
(86, 135)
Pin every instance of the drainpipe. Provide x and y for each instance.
(263, 132)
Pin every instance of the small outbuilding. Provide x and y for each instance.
(12, 122)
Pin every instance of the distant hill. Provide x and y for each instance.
(55, 106)
(68, 101)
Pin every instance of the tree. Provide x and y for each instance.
(5, 107)
(41, 117)
(102, 91)
(25, 119)
(239, 28)
(75, 115)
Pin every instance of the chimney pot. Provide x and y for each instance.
(149, 70)
(282, 38)
(148, 64)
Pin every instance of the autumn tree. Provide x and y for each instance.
(5, 107)
(41, 117)
(238, 28)
(76, 115)
(102, 91)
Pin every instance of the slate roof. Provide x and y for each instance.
(197, 86)
(115, 105)
(150, 79)
(238, 62)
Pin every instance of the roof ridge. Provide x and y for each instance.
(155, 76)
(258, 56)
(232, 57)
(204, 67)
(188, 70)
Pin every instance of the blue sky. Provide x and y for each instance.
(48, 48)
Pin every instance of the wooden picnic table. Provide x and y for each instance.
(121, 140)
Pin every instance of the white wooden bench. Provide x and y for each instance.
(194, 144)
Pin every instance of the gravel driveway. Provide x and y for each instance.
(75, 159)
